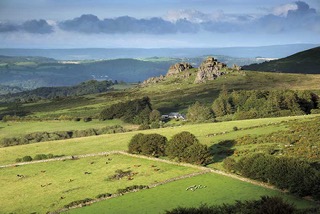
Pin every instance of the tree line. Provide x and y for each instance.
(138, 111)
(249, 104)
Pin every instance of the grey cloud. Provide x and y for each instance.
(301, 18)
(32, 26)
(37, 26)
(7, 27)
(125, 24)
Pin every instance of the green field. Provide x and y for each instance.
(41, 191)
(119, 141)
(16, 129)
(219, 189)
(25, 195)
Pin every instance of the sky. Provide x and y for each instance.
(157, 24)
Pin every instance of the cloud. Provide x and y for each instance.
(125, 24)
(32, 26)
(289, 18)
(284, 9)
(37, 26)
(7, 27)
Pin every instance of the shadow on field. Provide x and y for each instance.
(222, 150)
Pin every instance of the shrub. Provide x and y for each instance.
(197, 154)
(135, 144)
(19, 160)
(153, 144)
(149, 144)
(27, 158)
(40, 157)
(178, 143)
(229, 164)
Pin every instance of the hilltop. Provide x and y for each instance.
(306, 62)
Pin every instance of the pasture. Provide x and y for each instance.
(42, 187)
(16, 129)
(51, 185)
(219, 189)
(119, 141)
(110, 142)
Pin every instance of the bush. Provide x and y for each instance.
(297, 176)
(134, 146)
(197, 154)
(27, 158)
(19, 160)
(149, 144)
(40, 157)
(153, 144)
(178, 143)
(229, 164)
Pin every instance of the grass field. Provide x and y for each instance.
(119, 141)
(219, 189)
(41, 191)
(25, 195)
(15, 129)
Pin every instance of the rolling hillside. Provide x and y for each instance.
(305, 62)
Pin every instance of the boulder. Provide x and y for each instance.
(178, 68)
(153, 80)
(209, 69)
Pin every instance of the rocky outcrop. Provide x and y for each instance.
(153, 80)
(209, 69)
(178, 68)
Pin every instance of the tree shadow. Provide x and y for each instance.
(222, 150)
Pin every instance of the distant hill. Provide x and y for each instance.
(305, 62)
(273, 51)
(89, 87)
